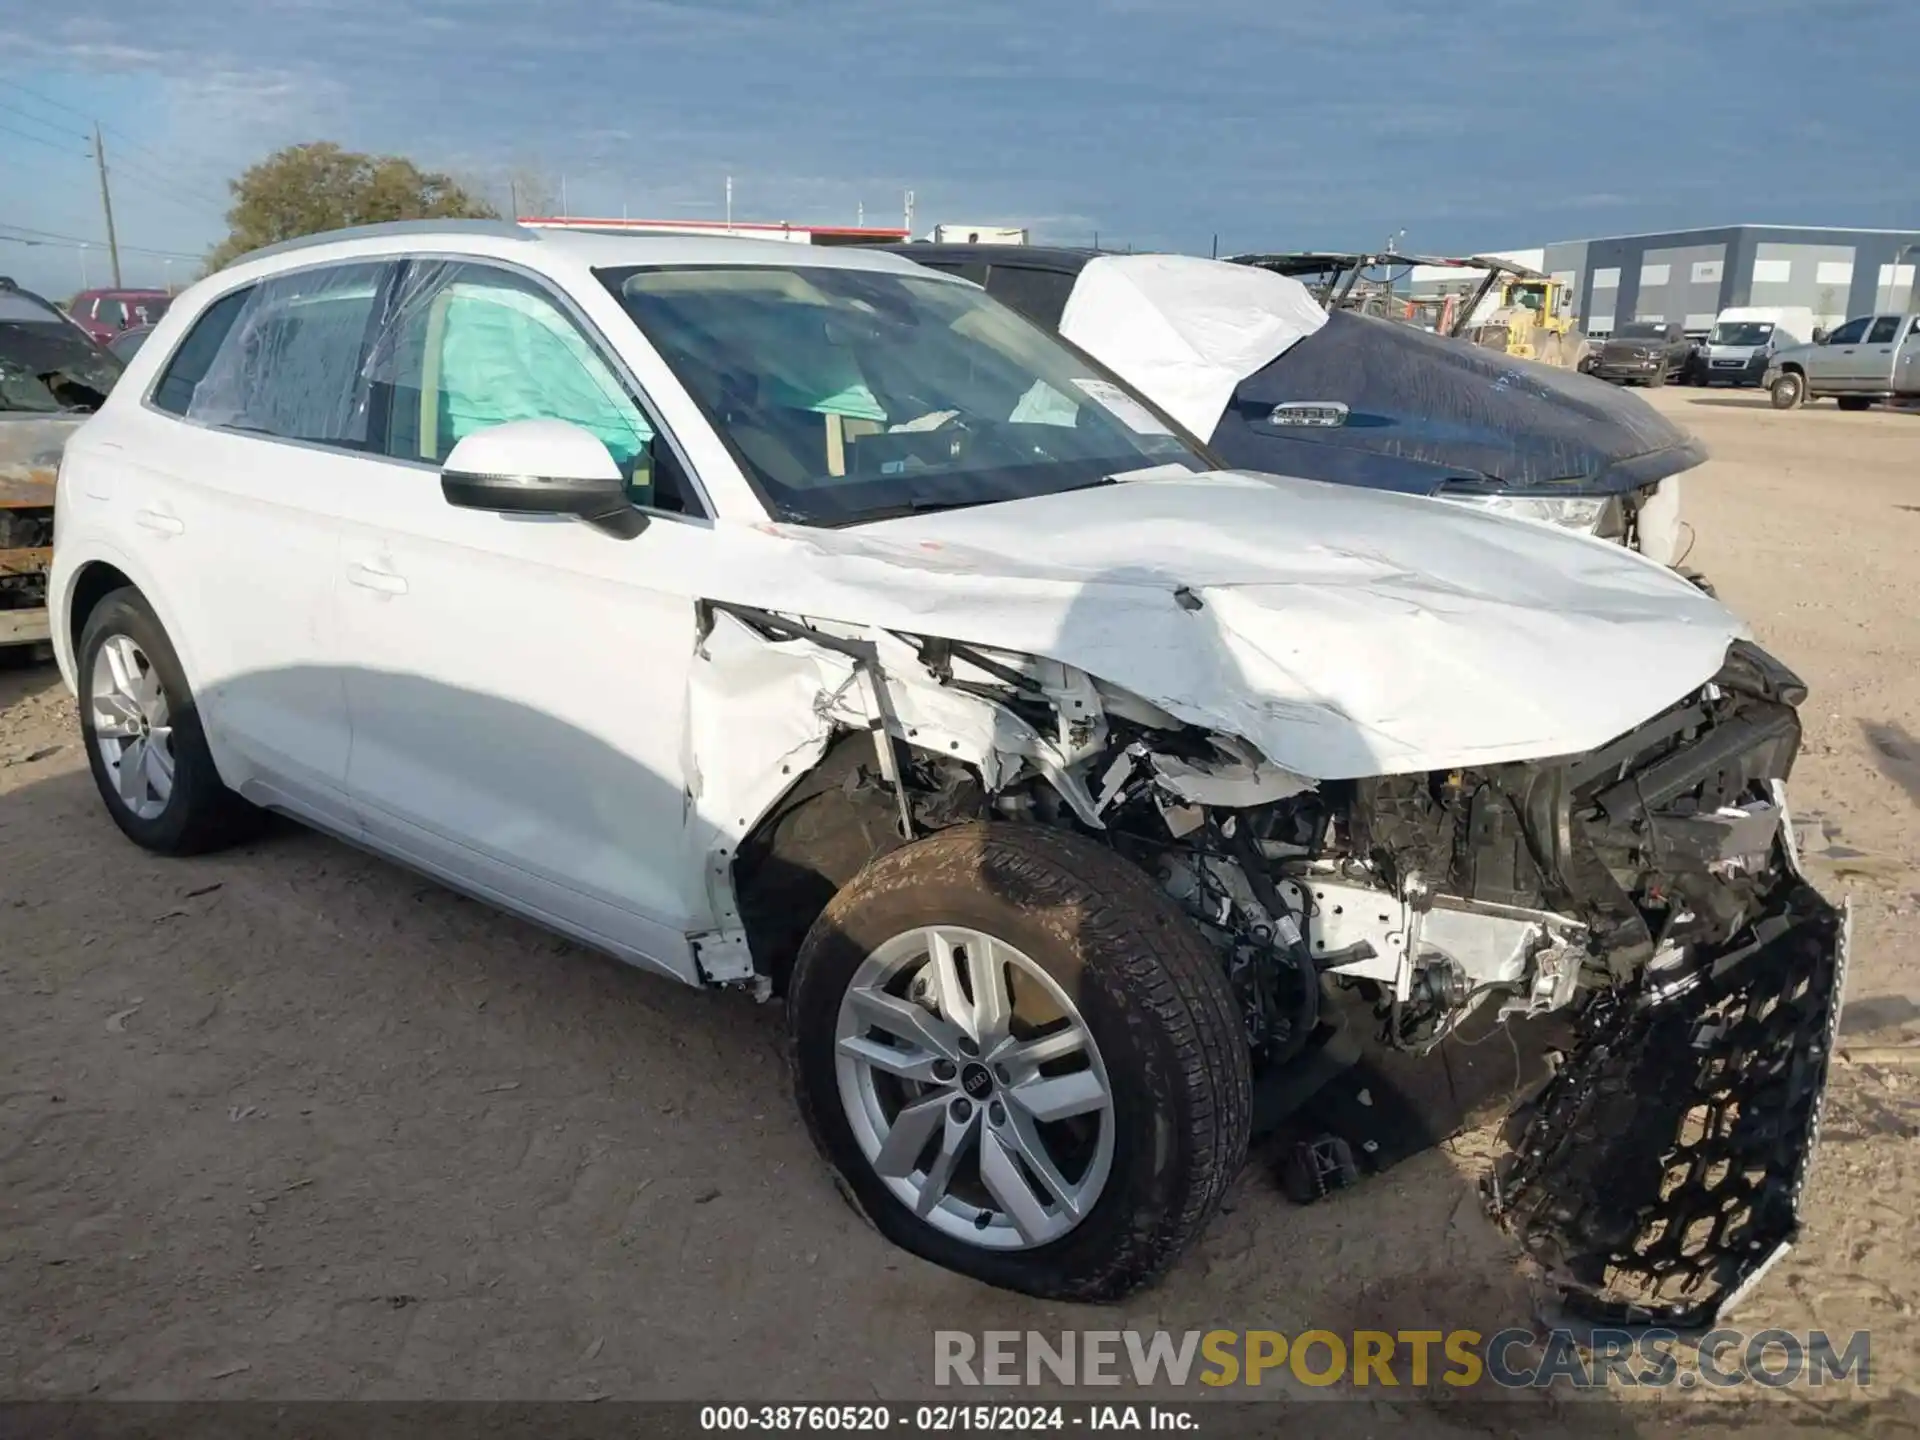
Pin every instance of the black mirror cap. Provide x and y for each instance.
(603, 504)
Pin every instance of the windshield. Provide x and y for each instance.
(1642, 330)
(853, 395)
(47, 364)
(1741, 332)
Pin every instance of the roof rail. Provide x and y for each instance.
(500, 229)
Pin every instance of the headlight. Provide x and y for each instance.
(1581, 514)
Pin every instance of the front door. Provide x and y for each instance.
(237, 510)
(1833, 366)
(518, 684)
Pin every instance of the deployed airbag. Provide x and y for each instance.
(1185, 331)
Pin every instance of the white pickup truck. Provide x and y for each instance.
(1870, 358)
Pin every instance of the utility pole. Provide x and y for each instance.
(909, 214)
(106, 203)
(513, 197)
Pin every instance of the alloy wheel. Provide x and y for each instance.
(132, 725)
(975, 1088)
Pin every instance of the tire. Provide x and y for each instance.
(1788, 391)
(1853, 402)
(1166, 1038)
(196, 812)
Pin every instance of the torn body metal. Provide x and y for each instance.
(30, 449)
(1430, 846)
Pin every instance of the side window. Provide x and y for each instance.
(190, 363)
(111, 312)
(1884, 329)
(1040, 295)
(1850, 333)
(973, 270)
(471, 347)
(290, 363)
(1913, 330)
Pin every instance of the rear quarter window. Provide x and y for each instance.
(194, 357)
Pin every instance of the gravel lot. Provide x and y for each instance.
(291, 1122)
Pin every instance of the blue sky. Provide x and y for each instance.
(1476, 124)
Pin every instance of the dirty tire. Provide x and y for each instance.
(1788, 391)
(201, 813)
(1854, 402)
(1148, 987)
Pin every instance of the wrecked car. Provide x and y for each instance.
(811, 624)
(51, 377)
(1249, 360)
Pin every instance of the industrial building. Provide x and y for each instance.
(1692, 275)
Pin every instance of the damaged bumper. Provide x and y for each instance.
(29, 463)
(1658, 1175)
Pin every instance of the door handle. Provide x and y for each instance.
(159, 522)
(384, 582)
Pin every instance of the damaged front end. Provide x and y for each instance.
(1634, 912)
(29, 461)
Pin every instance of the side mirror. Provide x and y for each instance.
(1819, 336)
(541, 467)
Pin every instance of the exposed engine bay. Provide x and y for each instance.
(1643, 899)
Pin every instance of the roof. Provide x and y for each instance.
(542, 248)
(743, 227)
(1743, 225)
(1069, 258)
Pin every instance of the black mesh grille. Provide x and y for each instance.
(1660, 1170)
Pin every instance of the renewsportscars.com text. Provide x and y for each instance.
(1509, 1359)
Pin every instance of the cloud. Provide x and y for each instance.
(1473, 124)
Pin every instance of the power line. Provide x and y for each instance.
(38, 120)
(28, 235)
(160, 189)
(113, 130)
(44, 100)
(38, 140)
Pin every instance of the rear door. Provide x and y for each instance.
(1906, 371)
(1874, 359)
(236, 512)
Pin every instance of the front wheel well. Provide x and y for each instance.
(95, 582)
(833, 822)
(823, 832)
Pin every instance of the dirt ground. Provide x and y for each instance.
(292, 1122)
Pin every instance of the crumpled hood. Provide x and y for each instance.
(1463, 410)
(1344, 632)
